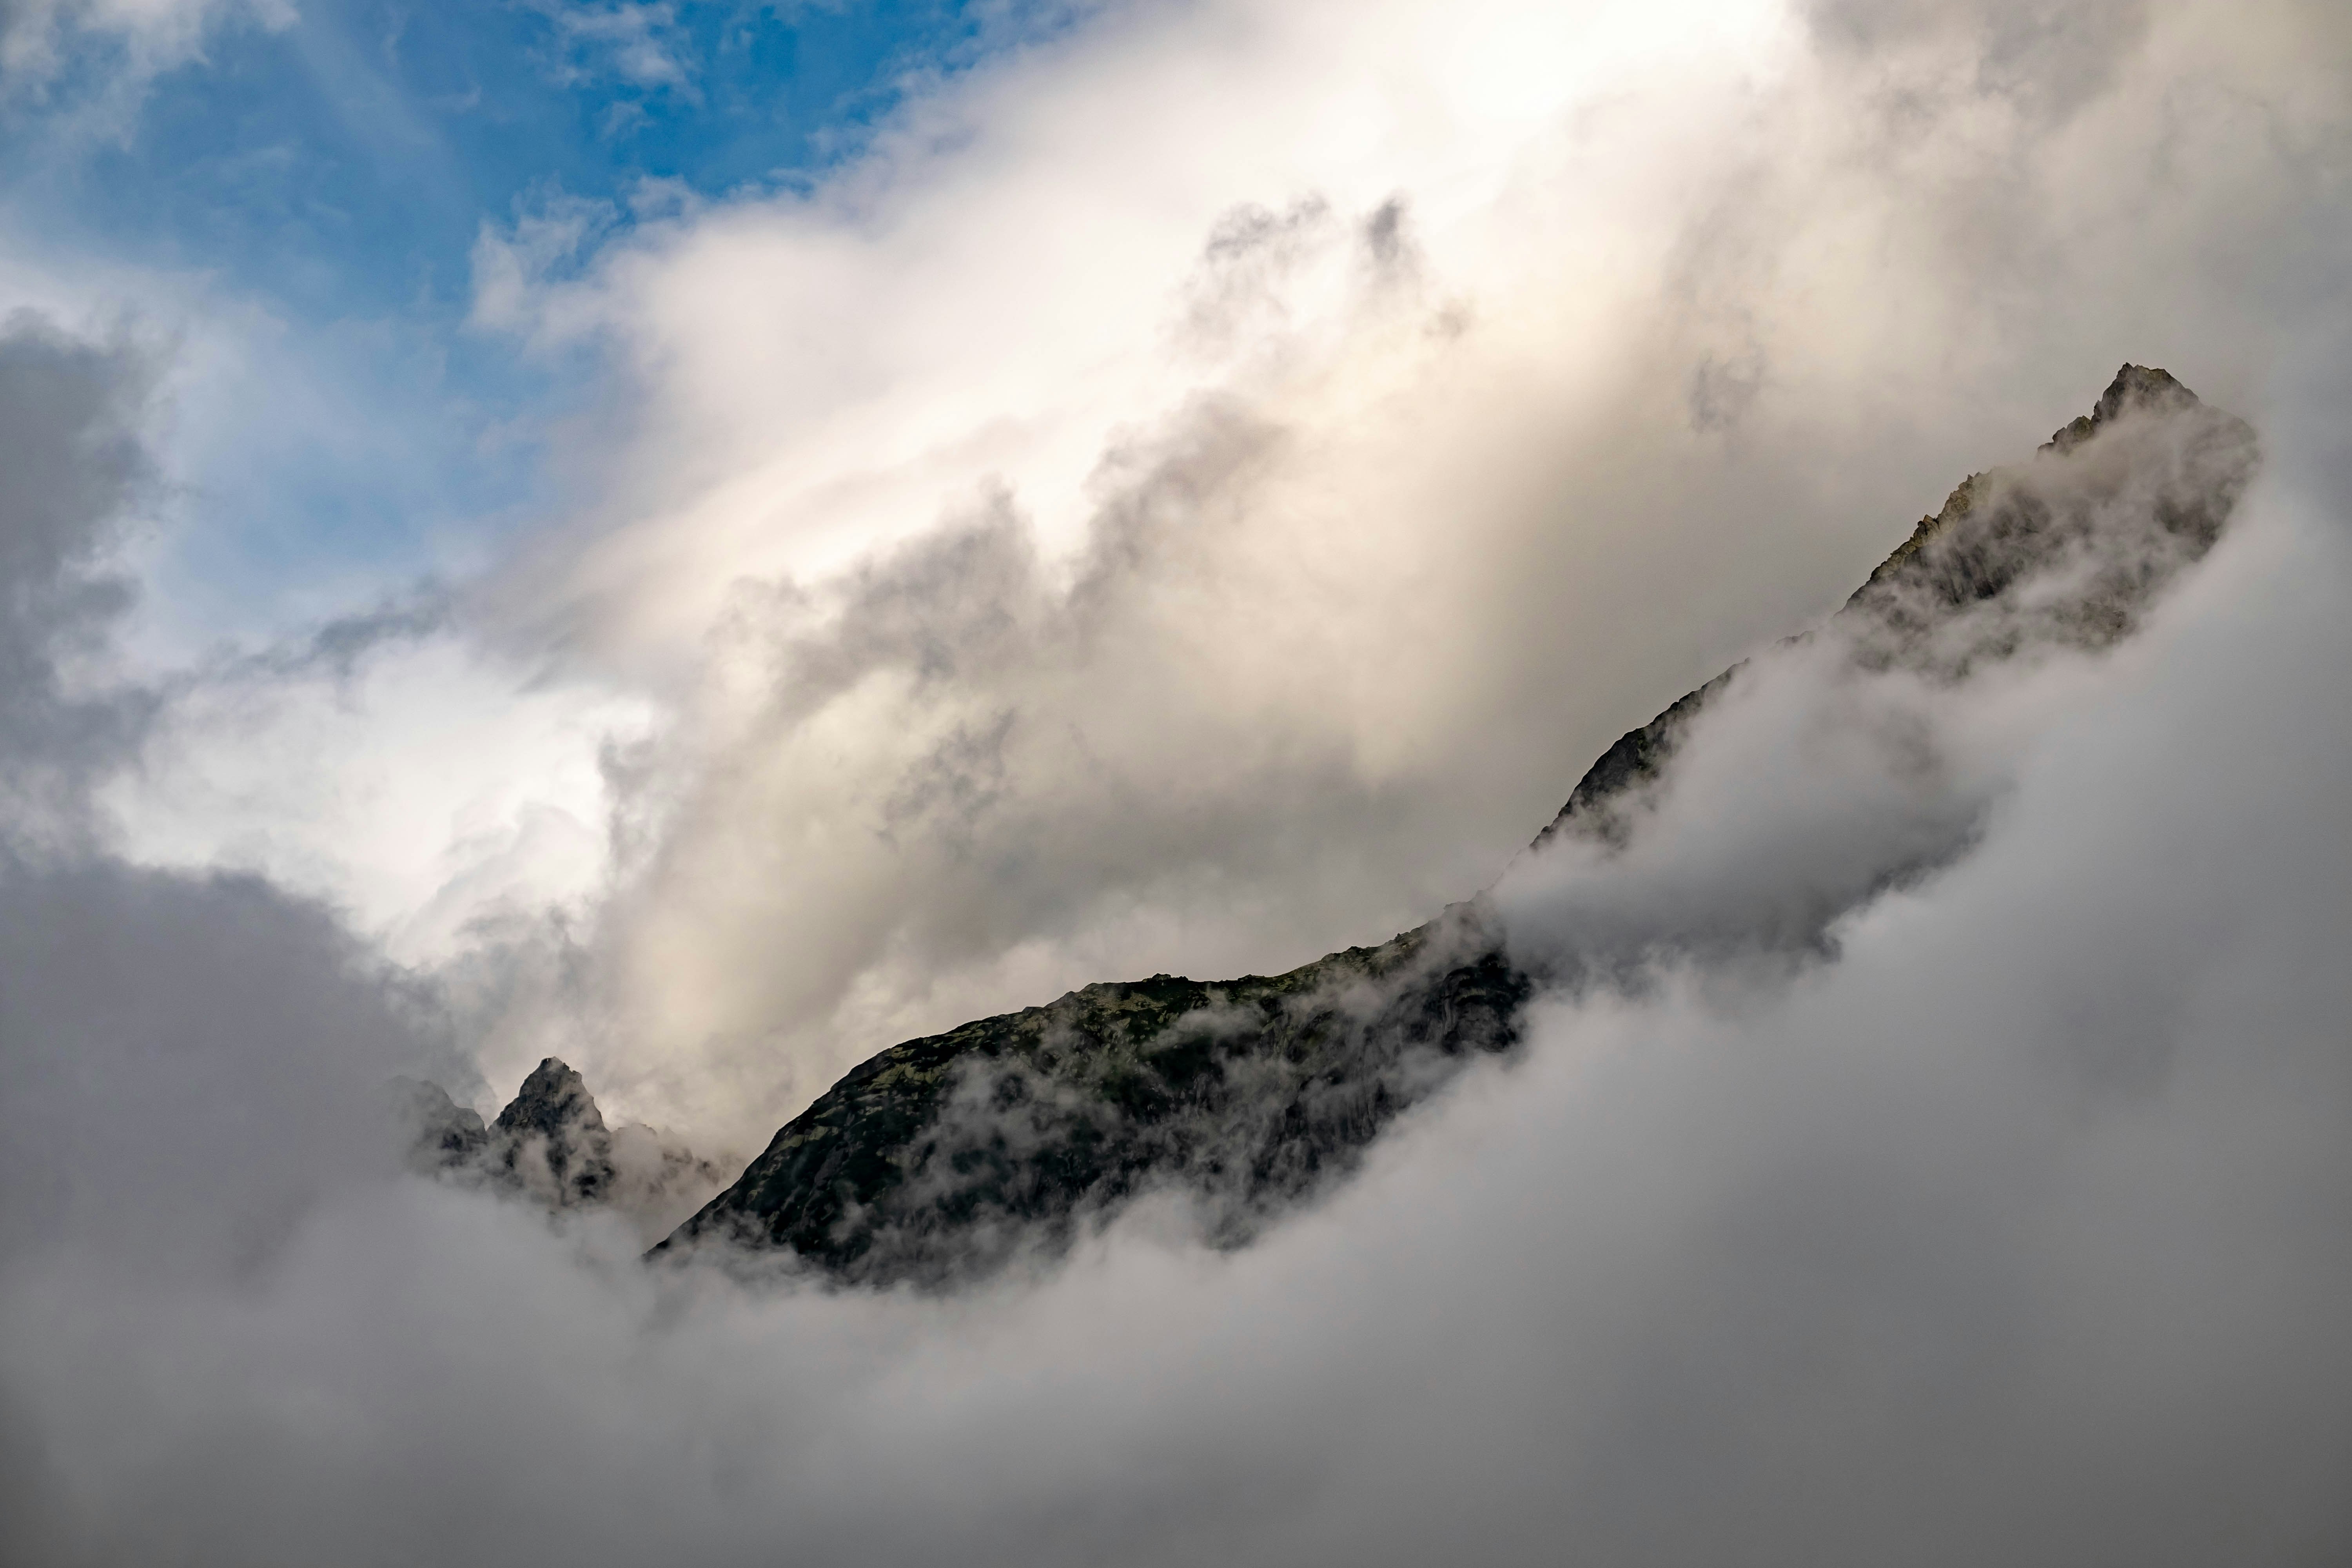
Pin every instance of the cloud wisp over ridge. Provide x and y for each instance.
(1139, 601)
(944, 1158)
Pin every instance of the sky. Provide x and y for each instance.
(322, 175)
(709, 539)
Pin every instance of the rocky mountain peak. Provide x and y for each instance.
(945, 1157)
(553, 1101)
(551, 1146)
(2136, 388)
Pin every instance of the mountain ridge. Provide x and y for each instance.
(946, 1157)
(942, 1157)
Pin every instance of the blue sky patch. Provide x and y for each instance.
(338, 170)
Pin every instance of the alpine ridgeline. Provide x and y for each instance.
(943, 1158)
(551, 1146)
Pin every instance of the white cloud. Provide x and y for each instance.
(1197, 493)
(2013, 1232)
(636, 43)
(418, 786)
(143, 38)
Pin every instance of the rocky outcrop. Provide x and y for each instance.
(550, 1139)
(948, 1156)
(2066, 550)
(440, 1133)
(551, 1147)
(945, 1157)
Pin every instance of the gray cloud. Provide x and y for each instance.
(2048, 59)
(95, 59)
(2013, 1232)
(189, 1058)
(186, 1063)
(181, 1051)
(74, 468)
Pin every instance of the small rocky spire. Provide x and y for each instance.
(554, 1100)
(554, 1117)
(2135, 387)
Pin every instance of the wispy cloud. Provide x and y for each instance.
(116, 46)
(639, 45)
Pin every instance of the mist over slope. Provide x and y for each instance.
(942, 1157)
(551, 1147)
(2012, 1225)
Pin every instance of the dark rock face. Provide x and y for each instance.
(2064, 551)
(942, 1157)
(551, 1147)
(1625, 769)
(2067, 550)
(551, 1137)
(441, 1133)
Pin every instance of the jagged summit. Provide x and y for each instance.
(551, 1145)
(2136, 388)
(2096, 531)
(948, 1156)
(553, 1099)
(551, 1129)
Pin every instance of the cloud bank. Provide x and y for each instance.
(2015, 1230)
